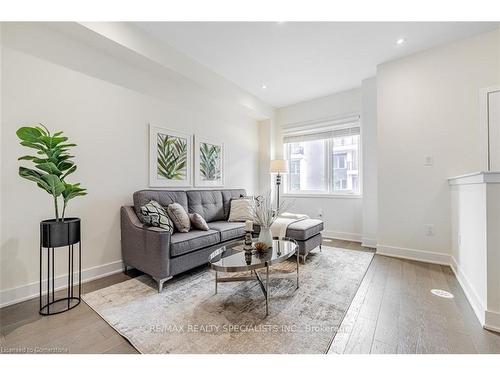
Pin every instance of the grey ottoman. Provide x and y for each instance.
(307, 233)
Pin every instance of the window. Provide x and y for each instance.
(325, 162)
(308, 162)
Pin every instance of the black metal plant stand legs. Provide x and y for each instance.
(70, 301)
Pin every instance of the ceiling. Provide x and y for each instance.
(298, 61)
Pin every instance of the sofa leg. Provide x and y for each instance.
(124, 268)
(303, 258)
(160, 282)
(320, 248)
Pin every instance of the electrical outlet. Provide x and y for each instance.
(429, 229)
(320, 212)
(428, 161)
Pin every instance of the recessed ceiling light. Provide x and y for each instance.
(401, 41)
(264, 87)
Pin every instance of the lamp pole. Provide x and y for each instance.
(278, 183)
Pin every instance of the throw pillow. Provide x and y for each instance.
(198, 221)
(179, 216)
(241, 209)
(155, 215)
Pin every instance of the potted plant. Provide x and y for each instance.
(52, 167)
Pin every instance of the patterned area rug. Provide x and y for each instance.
(188, 318)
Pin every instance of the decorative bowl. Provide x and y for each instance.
(261, 247)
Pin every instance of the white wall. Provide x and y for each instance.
(468, 242)
(475, 239)
(342, 215)
(109, 122)
(369, 157)
(427, 105)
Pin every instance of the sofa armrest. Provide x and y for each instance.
(145, 248)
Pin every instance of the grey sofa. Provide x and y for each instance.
(161, 255)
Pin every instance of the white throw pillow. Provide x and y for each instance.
(240, 209)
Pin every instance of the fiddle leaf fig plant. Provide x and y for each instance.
(52, 164)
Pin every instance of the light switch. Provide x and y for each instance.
(428, 161)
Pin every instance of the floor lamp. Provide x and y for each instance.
(279, 167)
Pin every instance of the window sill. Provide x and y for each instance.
(328, 196)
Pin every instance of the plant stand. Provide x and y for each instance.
(53, 236)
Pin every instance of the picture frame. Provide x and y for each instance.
(170, 157)
(209, 162)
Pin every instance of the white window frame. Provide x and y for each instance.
(330, 192)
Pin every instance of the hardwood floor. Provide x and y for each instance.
(395, 312)
(392, 312)
(79, 330)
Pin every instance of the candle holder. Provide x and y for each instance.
(248, 241)
(248, 257)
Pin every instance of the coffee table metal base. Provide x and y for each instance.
(254, 275)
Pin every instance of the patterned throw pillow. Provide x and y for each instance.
(198, 222)
(155, 215)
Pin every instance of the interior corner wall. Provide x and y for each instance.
(109, 122)
(265, 155)
(369, 160)
(427, 110)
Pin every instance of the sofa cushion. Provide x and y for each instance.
(228, 230)
(304, 229)
(207, 203)
(183, 243)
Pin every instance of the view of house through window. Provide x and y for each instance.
(326, 163)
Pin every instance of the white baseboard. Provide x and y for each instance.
(29, 291)
(470, 292)
(342, 235)
(414, 254)
(492, 321)
(369, 242)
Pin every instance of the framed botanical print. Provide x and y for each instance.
(208, 163)
(170, 158)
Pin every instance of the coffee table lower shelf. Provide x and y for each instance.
(282, 250)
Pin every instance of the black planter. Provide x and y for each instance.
(53, 235)
(60, 233)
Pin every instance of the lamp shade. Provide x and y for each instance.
(278, 166)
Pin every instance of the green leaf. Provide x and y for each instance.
(54, 183)
(66, 145)
(69, 171)
(27, 157)
(32, 175)
(33, 145)
(64, 165)
(50, 168)
(29, 134)
(53, 141)
(72, 191)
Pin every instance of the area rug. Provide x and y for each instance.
(187, 317)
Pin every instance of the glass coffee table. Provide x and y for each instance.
(232, 258)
